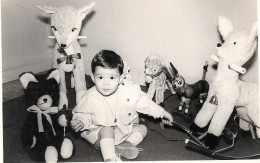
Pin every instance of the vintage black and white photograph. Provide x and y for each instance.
(129, 80)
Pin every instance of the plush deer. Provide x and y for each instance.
(227, 91)
(66, 24)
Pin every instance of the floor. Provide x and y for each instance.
(12, 90)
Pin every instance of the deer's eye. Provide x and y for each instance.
(73, 29)
(54, 28)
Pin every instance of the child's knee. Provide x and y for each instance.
(106, 132)
(142, 129)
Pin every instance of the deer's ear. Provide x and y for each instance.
(47, 9)
(253, 33)
(252, 37)
(82, 12)
(225, 27)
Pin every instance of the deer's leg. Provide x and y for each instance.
(63, 103)
(80, 81)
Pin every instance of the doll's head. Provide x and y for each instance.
(153, 64)
(107, 69)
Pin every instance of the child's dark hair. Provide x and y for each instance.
(107, 59)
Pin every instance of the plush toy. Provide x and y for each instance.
(155, 74)
(43, 133)
(227, 91)
(126, 72)
(66, 24)
(188, 92)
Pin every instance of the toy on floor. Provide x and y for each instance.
(196, 144)
(188, 92)
(43, 133)
(66, 24)
(155, 74)
(227, 91)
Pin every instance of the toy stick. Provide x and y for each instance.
(215, 58)
(237, 68)
(205, 69)
(79, 37)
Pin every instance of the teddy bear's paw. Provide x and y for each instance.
(79, 96)
(211, 141)
(51, 154)
(63, 103)
(66, 148)
(65, 118)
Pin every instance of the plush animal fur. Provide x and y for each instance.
(230, 92)
(43, 131)
(66, 24)
(156, 77)
(126, 72)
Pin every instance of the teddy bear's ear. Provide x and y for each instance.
(26, 78)
(55, 74)
(47, 9)
(225, 26)
(82, 12)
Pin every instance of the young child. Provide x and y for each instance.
(107, 115)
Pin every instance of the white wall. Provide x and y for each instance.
(182, 31)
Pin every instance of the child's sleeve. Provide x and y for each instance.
(83, 112)
(147, 106)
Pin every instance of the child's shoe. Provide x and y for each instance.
(127, 150)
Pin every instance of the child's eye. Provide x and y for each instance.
(54, 28)
(112, 78)
(73, 29)
(100, 77)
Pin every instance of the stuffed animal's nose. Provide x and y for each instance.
(219, 45)
(45, 100)
(63, 45)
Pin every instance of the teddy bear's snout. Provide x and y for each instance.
(45, 100)
(219, 45)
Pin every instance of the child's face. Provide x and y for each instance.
(106, 80)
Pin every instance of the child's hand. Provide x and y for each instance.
(168, 119)
(77, 125)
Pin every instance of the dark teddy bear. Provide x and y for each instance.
(43, 133)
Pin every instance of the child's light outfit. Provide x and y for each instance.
(119, 109)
